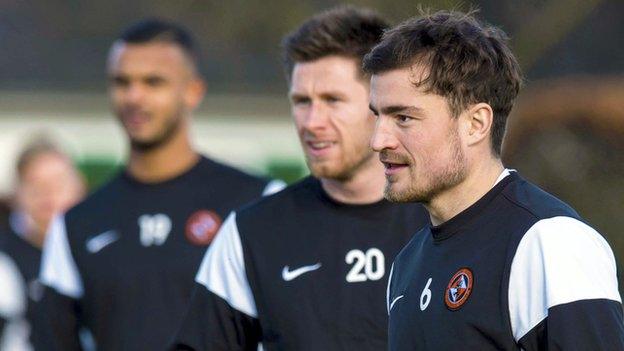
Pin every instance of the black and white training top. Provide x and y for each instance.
(122, 262)
(299, 271)
(519, 269)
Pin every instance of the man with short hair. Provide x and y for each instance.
(306, 269)
(505, 265)
(120, 263)
(47, 184)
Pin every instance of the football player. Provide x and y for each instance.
(505, 265)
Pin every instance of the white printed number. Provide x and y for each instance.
(154, 229)
(425, 297)
(366, 266)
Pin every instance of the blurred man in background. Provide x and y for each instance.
(505, 266)
(47, 184)
(121, 263)
(306, 269)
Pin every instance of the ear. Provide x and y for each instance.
(195, 92)
(479, 118)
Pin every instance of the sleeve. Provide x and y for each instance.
(563, 292)
(222, 314)
(62, 289)
(12, 294)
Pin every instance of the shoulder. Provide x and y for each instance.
(287, 199)
(528, 197)
(224, 177)
(103, 197)
(566, 250)
(216, 171)
(559, 260)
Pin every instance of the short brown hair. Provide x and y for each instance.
(35, 148)
(346, 31)
(468, 62)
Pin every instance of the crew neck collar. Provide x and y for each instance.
(449, 228)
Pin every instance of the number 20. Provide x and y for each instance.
(368, 266)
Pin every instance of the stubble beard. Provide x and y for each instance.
(169, 130)
(438, 181)
(342, 172)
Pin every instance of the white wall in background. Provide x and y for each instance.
(242, 141)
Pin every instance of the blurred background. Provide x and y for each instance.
(566, 132)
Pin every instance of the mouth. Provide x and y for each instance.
(135, 119)
(393, 163)
(319, 148)
(392, 168)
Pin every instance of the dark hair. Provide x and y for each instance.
(468, 62)
(346, 31)
(158, 30)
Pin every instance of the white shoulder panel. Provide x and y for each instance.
(58, 269)
(559, 260)
(12, 294)
(273, 186)
(222, 270)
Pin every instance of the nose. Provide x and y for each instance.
(316, 117)
(134, 93)
(383, 138)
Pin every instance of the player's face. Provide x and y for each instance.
(417, 137)
(153, 88)
(49, 185)
(329, 103)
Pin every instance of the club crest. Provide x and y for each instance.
(458, 289)
(202, 226)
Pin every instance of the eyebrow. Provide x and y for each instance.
(295, 94)
(388, 110)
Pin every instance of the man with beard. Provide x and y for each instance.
(120, 263)
(505, 265)
(306, 269)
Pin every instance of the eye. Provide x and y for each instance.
(332, 99)
(118, 81)
(300, 101)
(403, 118)
(154, 81)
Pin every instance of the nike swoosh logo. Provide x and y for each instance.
(289, 275)
(100, 241)
(395, 301)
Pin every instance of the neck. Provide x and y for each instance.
(36, 237)
(364, 187)
(164, 162)
(479, 180)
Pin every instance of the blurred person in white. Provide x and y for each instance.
(47, 184)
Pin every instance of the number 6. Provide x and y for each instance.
(425, 297)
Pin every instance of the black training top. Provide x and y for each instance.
(299, 271)
(122, 262)
(517, 270)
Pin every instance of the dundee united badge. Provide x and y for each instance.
(202, 226)
(458, 289)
